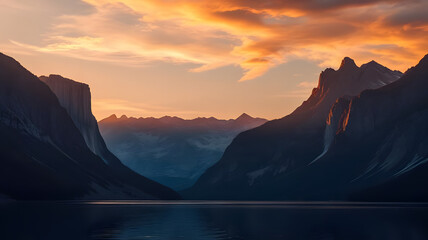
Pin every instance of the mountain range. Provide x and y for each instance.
(337, 145)
(362, 135)
(171, 150)
(50, 147)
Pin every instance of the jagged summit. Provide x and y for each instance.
(260, 158)
(348, 63)
(348, 80)
(330, 78)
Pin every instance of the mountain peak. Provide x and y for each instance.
(373, 62)
(424, 61)
(244, 116)
(348, 62)
(348, 80)
(111, 117)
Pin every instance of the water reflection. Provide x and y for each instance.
(210, 221)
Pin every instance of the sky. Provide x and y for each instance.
(202, 58)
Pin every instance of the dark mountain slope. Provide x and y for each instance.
(378, 148)
(253, 166)
(394, 120)
(42, 153)
(75, 97)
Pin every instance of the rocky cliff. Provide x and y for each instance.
(254, 164)
(43, 155)
(75, 97)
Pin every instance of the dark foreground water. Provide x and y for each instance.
(211, 220)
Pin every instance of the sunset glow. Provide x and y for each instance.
(207, 58)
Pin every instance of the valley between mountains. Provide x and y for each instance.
(362, 135)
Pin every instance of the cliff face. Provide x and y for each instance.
(75, 97)
(29, 105)
(257, 159)
(43, 155)
(42, 152)
(389, 127)
(171, 150)
(372, 109)
(378, 148)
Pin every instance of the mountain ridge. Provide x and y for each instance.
(172, 150)
(242, 116)
(42, 152)
(260, 156)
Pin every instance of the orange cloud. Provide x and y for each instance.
(256, 35)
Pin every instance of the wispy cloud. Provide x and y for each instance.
(255, 35)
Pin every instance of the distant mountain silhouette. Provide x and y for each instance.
(258, 162)
(171, 150)
(43, 154)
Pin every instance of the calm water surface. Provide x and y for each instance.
(211, 220)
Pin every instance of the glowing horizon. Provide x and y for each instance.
(203, 58)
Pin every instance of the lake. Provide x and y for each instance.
(211, 220)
